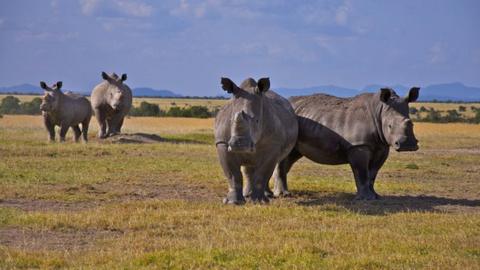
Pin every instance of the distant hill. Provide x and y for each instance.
(149, 92)
(138, 92)
(25, 88)
(326, 89)
(440, 92)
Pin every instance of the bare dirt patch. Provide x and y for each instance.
(115, 192)
(144, 138)
(35, 240)
(134, 138)
(45, 205)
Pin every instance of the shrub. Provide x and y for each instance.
(10, 105)
(32, 107)
(462, 108)
(146, 109)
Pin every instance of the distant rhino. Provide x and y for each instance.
(256, 130)
(356, 130)
(65, 110)
(111, 101)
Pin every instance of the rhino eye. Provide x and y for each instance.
(390, 126)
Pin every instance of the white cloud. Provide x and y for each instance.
(202, 9)
(126, 7)
(134, 8)
(122, 24)
(342, 13)
(89, 6)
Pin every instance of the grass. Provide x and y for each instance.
(153, 206)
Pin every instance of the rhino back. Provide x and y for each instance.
(332, 124)
(280, 123)
(73, 110)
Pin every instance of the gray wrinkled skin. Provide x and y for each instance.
(65, 110)
(253, 132)
(357, 131)
(111, 101)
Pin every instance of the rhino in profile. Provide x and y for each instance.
(256, 129)
(357, 131)
(65, 110)
(111, 102)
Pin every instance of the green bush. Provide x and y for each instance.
(32, 107)
(10, 105)
(149, 109)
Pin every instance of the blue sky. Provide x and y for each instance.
(186, 46)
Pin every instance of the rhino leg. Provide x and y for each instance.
(63, 132)
(248, 175)
(375, 164)
(120, 124)
(85, 125)
(281, 171)
(359, 159)
(101, 119)
(76, 133)
(260, 181)
(50, 128)
(232, 172)
(113, 125)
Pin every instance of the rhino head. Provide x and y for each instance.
(51, 99)
(247, 113)
(115, 92)
(396, 124)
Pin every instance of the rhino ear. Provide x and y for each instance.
(229, 86)
(385, 94)
(59, 85)
(43, 85)
(124, 77)
(413, 94)
(263, 85)
(105, 76)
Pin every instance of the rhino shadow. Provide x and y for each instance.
(389, 204)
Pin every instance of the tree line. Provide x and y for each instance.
(450, 116)
(13, 105)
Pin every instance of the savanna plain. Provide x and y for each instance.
(122, 204)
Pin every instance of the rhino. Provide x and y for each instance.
(111, 102)
(65, 110)
(256, 129)
(358, 131)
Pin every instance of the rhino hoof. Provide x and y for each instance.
(259, 198)
(282, 193)
(237, 202)
(234, 197)
(366, 196)
(268, 194)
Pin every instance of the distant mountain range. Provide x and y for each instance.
(441, 92)
(137, 92)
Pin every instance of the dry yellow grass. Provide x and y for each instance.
(158, 206)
